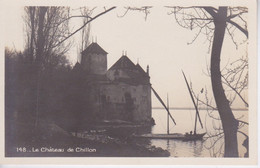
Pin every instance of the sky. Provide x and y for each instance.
(157, 41)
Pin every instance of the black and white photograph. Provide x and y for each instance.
(164, 81)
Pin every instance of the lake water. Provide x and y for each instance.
(185, 120)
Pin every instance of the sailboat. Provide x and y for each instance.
(193, 136)
(185, 137)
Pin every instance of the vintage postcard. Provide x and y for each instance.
(129, 82)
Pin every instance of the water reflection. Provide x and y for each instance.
(197, 148)
(178, 148)
(168, 144)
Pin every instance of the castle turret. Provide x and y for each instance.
(94, 59)
(147, 70)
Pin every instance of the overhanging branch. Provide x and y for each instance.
(84, 26)
(211, 11)
(239, 27)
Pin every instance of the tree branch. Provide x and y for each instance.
(84, 25)
(239, 27)
(70, 17)
(211, 136)
(235, 90)
(242, 122)
(211, 11)
(235, 15)
(144, 9)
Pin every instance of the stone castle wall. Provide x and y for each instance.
(123, 102)
(123, 92)
(95, 63)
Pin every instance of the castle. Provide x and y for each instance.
(122, 92)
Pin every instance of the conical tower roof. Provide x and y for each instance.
(94, 48)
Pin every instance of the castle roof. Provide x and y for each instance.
(77, 67)
(140, 69)
(94, 48)
(135, 73)
(123, 63)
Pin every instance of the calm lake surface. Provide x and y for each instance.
(185, 120)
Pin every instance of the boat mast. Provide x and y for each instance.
(168, 130)
(196, 108)
(158, 97)
(196, 116)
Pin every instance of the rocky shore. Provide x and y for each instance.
(52, 140)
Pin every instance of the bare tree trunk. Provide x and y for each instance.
(32, 18)
(39, 57)
(228, 120)
(40, 39)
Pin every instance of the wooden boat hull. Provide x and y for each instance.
(176, 136)
(194, 137)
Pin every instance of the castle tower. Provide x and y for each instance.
(94, 59)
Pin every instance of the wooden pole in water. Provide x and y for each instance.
(168, 130)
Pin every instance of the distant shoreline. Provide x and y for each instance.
(190, 108)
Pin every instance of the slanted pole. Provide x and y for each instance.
(168, 129)
(196, 116)
(196, 108)
(158, 97)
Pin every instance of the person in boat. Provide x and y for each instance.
(188, 134)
